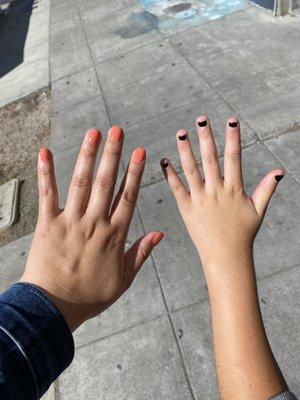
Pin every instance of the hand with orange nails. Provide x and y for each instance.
(222, 221)
(77, 256)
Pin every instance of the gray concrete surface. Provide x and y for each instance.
(110, 68)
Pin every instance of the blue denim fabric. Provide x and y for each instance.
(36, 345)
(285, 396)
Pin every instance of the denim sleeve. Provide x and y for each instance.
(284, 396)
(36, 345)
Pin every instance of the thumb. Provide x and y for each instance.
(265, 190)
(141, 250)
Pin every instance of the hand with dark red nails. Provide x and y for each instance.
(77, 256)
(222, 222)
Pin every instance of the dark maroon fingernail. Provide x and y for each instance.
(202, 123)
(164, 163)
(182, 137)
(233, 124)
(279, 177)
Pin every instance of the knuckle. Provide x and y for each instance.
(129, 196)
(234, 155)
(134, 170)
(45, 171)
(210, 158)
(105, 183)
(143, 254)
(47, 192)
(191, 170)
(268, 190)
(81, 181)
(112, 151)
(87, 152)
(116, 236)
(89, 227)
(177, 188)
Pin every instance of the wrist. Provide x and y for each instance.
(229, 270)
(71, 312)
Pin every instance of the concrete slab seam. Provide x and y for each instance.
(184, 365)
(297, 180)
(91, 55)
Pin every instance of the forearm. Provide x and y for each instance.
(246, 367)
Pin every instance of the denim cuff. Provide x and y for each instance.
(39, 330)
(284, 396)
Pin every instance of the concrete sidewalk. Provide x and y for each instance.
(112, 64)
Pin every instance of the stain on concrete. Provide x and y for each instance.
(138, 24)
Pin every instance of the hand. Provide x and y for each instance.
(223, 221)
(220, 218)
(77, 255)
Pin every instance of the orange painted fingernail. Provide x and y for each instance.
(157, 238)
(139, 155)
(116, 133)
(44, 154)
(93, 136)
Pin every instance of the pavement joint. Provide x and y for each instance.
(281, 163)
(74, 105)
(98, 80)
(283, 21)
(141, 323)
(206, 300)
(70, 75)
(185, 368)
(267, 61)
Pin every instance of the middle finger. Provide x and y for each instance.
(209, 154)
(80, 187)
(104, 185)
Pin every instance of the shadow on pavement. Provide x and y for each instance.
(13, 32)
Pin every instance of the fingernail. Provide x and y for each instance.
(164, 163)
(233, 124)
(93, 136)
(157, 238)
(116, 133)
(44, 154)
(278, 177)
(182, 137)
(202, 124)
(139, 155)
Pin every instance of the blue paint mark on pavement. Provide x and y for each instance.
(175, 15)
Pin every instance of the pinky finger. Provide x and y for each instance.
(48, 198)
(176, 185)
(265, 190)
